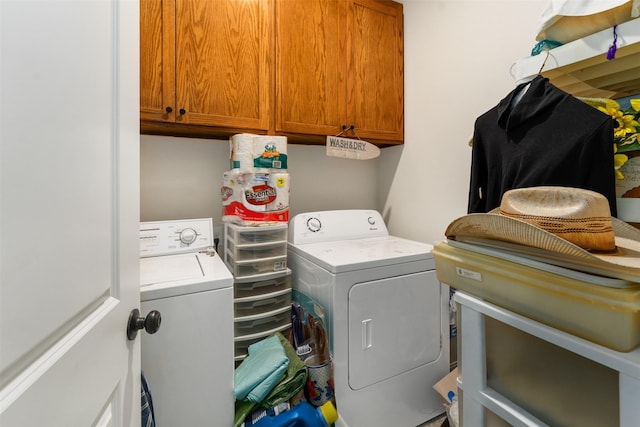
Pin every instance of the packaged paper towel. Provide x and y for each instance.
(253, 198)
(255, 153)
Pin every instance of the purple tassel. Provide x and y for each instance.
(611, 53)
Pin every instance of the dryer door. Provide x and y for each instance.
(394, 326)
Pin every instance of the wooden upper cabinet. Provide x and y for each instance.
(375, 66)
(157, 60)
(301, 68)
(206, 63)
(311, 66)
(339, 64)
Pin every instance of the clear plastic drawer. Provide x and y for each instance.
(263, 322)
(243, 235)
(256, 252)
(255, 305)
(254, 268)
(265, 284)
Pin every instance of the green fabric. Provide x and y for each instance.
(261, 371)
(243, 409)
(291, 383)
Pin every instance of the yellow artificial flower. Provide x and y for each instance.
(626, 133)
(625, 122)
(618, 161)
(626, 125)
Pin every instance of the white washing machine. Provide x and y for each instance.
(387, 315)
(188, 363)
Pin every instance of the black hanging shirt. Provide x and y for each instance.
(548, 138)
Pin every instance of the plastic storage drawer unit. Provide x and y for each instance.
(603, 310)
(257, 258)
(514, 371)
(250, 252)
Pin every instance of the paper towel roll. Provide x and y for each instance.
(241, 151)
(279, 181)
(255, 198)
(253, 153)
(270, 152)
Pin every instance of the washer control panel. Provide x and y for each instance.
(177, 236)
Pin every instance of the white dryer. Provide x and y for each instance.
(188, 363)
(386, 315)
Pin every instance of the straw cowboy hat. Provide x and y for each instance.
(571, 227)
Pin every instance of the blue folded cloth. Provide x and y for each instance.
(260, 372)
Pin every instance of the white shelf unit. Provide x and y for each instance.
(582, 69)
(478, 400)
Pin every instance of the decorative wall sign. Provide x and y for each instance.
(351, 148)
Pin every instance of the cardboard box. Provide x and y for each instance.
(447, 387)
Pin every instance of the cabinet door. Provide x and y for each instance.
(310, 66)
(375, 82)
(157, 60)
(223, 63)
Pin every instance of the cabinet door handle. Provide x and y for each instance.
(168, 109)
(183, 111)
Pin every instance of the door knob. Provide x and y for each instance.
(168, 109)
(150, 323)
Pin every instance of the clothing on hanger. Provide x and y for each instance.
(517, 96)
(548, 137)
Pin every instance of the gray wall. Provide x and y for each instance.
(458, 55)
(181, 178)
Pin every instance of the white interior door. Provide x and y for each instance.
(69, 212)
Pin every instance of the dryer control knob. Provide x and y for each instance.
(314, 225)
